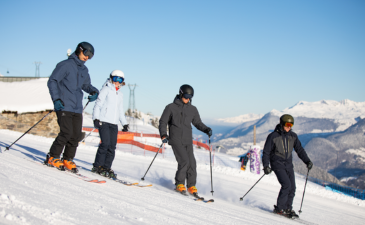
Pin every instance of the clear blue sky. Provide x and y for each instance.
(240, 56)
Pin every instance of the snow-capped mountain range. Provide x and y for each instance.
(324, 128)
(345, 112)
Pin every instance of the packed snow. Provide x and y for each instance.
(31, 193)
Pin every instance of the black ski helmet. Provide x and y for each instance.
(286, 118)
(86, 48)
(186, 89)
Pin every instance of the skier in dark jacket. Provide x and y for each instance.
(66, 83)
(278, 150)
(179, 116)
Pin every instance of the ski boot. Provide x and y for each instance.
(70, 165)
(292, 213)
(54, 162)
(281, 212)
(103, 172)
(192, 190)
(111, 174)
(95, 169)
(181, 188)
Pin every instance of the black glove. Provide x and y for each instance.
(125, 128)
(93, 96)
(309, 165)
(97, 124)
(267, 170)
(208, 131)
(165, 138)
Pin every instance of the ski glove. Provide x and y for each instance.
(125, 128)
(267, 170)
(58, 105)
(93, 96)
(309, 165)
(208, 131)
(165, 139)
(97, 124)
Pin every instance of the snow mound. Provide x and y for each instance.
(25, 96)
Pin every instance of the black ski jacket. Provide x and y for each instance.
(279, 147)
(179, 116)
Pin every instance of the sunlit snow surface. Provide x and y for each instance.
(31, 193)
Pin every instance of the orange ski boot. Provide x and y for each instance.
(56, 162)
(192, 190)
(181, 188)
(70, 165)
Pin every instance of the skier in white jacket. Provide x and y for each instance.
(108, 111)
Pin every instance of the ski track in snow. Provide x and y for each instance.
(31, 193)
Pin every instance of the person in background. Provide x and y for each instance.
(108, 111)
(179, 116)
(277, 152)
(66, 83)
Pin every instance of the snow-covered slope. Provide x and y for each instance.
(31, 193)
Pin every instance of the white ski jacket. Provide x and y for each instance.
(109, 105)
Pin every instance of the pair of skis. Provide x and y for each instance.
(196, 197)
(296, 219)
(127, 183)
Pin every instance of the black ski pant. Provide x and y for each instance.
(70, 131)
(186, 168)
(287, 192)
(106, 151)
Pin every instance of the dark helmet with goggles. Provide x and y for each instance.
(286, 120)
(86, 48)
(186, 91)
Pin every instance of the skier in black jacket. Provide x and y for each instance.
(278, 152)
(179, 116)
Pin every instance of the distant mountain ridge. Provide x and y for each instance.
(324, 128)
(326, 116)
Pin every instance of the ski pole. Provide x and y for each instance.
(241, 199)
(210, 157)
(300, 210)
(86, 105)
(83, 140)
(152, 162)
(7, 148)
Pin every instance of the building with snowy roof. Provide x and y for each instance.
(25, 101)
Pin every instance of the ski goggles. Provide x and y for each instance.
(117, 79)
(187, 96)
(87, 52)
(287, 124)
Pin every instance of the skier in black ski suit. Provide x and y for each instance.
(179, 116)
(278, 152)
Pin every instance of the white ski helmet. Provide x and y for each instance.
(117, 73)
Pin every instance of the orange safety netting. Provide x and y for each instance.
(127, 138)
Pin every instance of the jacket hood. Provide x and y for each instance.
(77, 60)
(110, 84)
(280, 130)
(179, 102)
